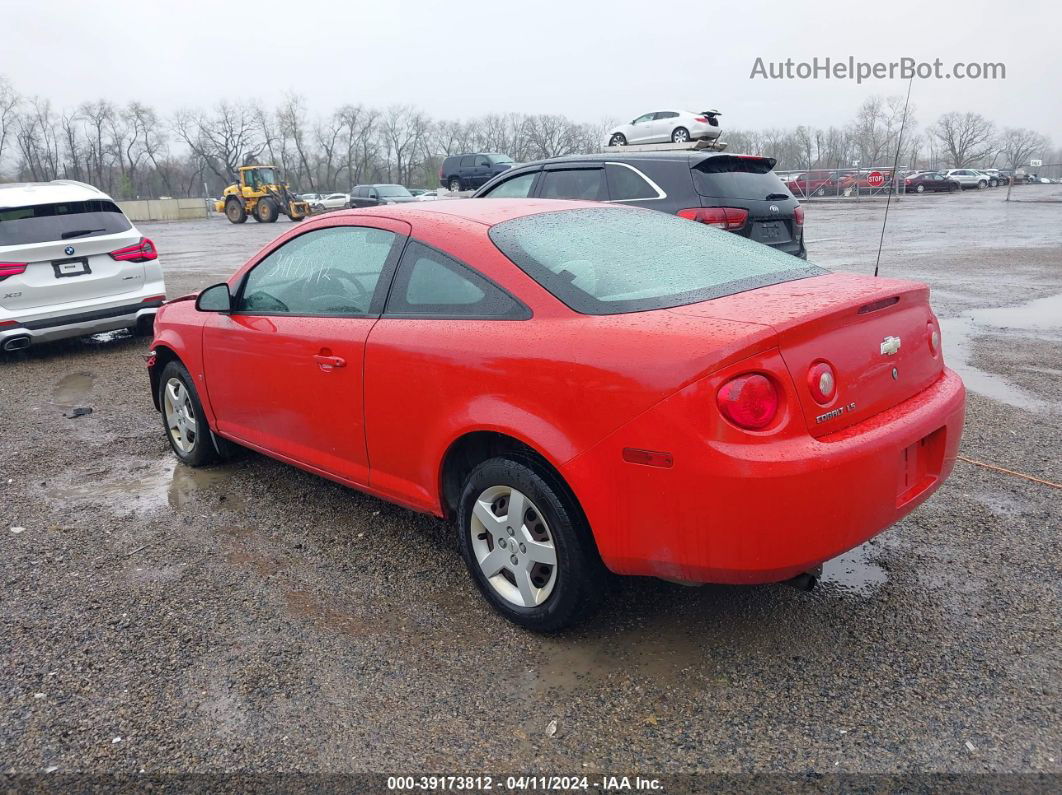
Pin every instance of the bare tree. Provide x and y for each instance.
(965, 137)
(1018, 145)
(291, 117)
(9, 102)
(223, 139)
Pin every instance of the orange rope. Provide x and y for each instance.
(1009, 472)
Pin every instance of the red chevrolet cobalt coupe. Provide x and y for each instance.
(580, 387)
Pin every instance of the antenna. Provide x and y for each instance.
(895, 182)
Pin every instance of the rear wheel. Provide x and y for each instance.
(982, 185)
(619, 139)
(265, 212)
(234, 211)
(455, 185)
(680, 135)
(527, 546)
(920, 189)
(183, 417)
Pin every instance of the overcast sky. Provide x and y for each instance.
(587, 60)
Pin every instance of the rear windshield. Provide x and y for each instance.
(739, 178)
(44, 223)
(606, 261)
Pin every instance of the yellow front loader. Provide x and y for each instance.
(260, 193)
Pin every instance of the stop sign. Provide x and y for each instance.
(875, 179)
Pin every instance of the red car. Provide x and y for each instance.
(581, 387)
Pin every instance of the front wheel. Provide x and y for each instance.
(982, 185)
(183, 417)
(619, 139)
(527, 546)
(235, 212)
(680, 135)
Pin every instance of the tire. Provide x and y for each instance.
(982, 185)
(192, 444)
(920, 188)
(145, 326)
(619, 139)
(455, 184)
(265, 212)
(552, 597)
(680, 135)
(820, 192)
(235, 211)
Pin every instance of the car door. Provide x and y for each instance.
(284, 368)
(480, 171)
(413, 370)
(641, 129)
(663, 123)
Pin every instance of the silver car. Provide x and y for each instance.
(667, 126)
(967, 177)
(71, 264)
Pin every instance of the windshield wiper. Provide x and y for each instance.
(79, 233)
(776, 197)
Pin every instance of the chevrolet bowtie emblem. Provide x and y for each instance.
(890, 345)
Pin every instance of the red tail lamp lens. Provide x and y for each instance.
(140, 252)
(11, 269)
(749, 401)
(822, 382)
(798, 215)
(729, 218)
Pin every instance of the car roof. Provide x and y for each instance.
(22, 194)
(690, 157)
(482, 211)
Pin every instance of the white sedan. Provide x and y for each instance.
(333, 201)
(667, 126)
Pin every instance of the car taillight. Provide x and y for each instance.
(822, 382)
(140, 252)
(749, 401)
(720, 217)
(798, 215)
(701, 119)
(11, 269)
(934, 337)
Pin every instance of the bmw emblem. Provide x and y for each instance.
(773, 208)
(69, 251)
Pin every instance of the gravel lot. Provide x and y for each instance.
(253, 617)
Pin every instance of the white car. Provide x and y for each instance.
(967, 177)
(333, 201)
(72, 264)
(667, 126)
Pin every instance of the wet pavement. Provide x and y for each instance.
(253, 617)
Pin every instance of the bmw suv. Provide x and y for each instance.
(738, 193)
(71, 264)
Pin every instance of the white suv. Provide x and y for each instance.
(71, 264)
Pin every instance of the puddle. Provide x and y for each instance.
(854, 572)
(73, 389)
(140, 486)
(1041, 318)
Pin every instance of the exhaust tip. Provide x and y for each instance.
(17, 343)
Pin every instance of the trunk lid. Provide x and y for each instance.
(851, 322)
(54, 276)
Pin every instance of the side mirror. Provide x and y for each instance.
(215, 298)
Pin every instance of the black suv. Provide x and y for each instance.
(739, 193)
(470, 170)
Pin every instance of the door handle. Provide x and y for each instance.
(329, 363)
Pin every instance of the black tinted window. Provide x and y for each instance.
(667, 114)
(515, 188)
(626, 184)
(577, 183)
(610, 260)
(467, 161)
(481, 160)
(431, 283)
(331, 271)
(741, 178)
(42, 223)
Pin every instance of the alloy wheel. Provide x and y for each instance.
(513, 546)
(180, 415)
(680, 136)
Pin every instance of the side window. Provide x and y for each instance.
(431, 283)
(643, 119)
(467, 161)
(576, 183)
(331, 271)
(481, 160)
(626, 184)
(515, 188)
(666, 114)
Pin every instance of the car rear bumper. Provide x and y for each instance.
(45, 324)
(760, 513)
